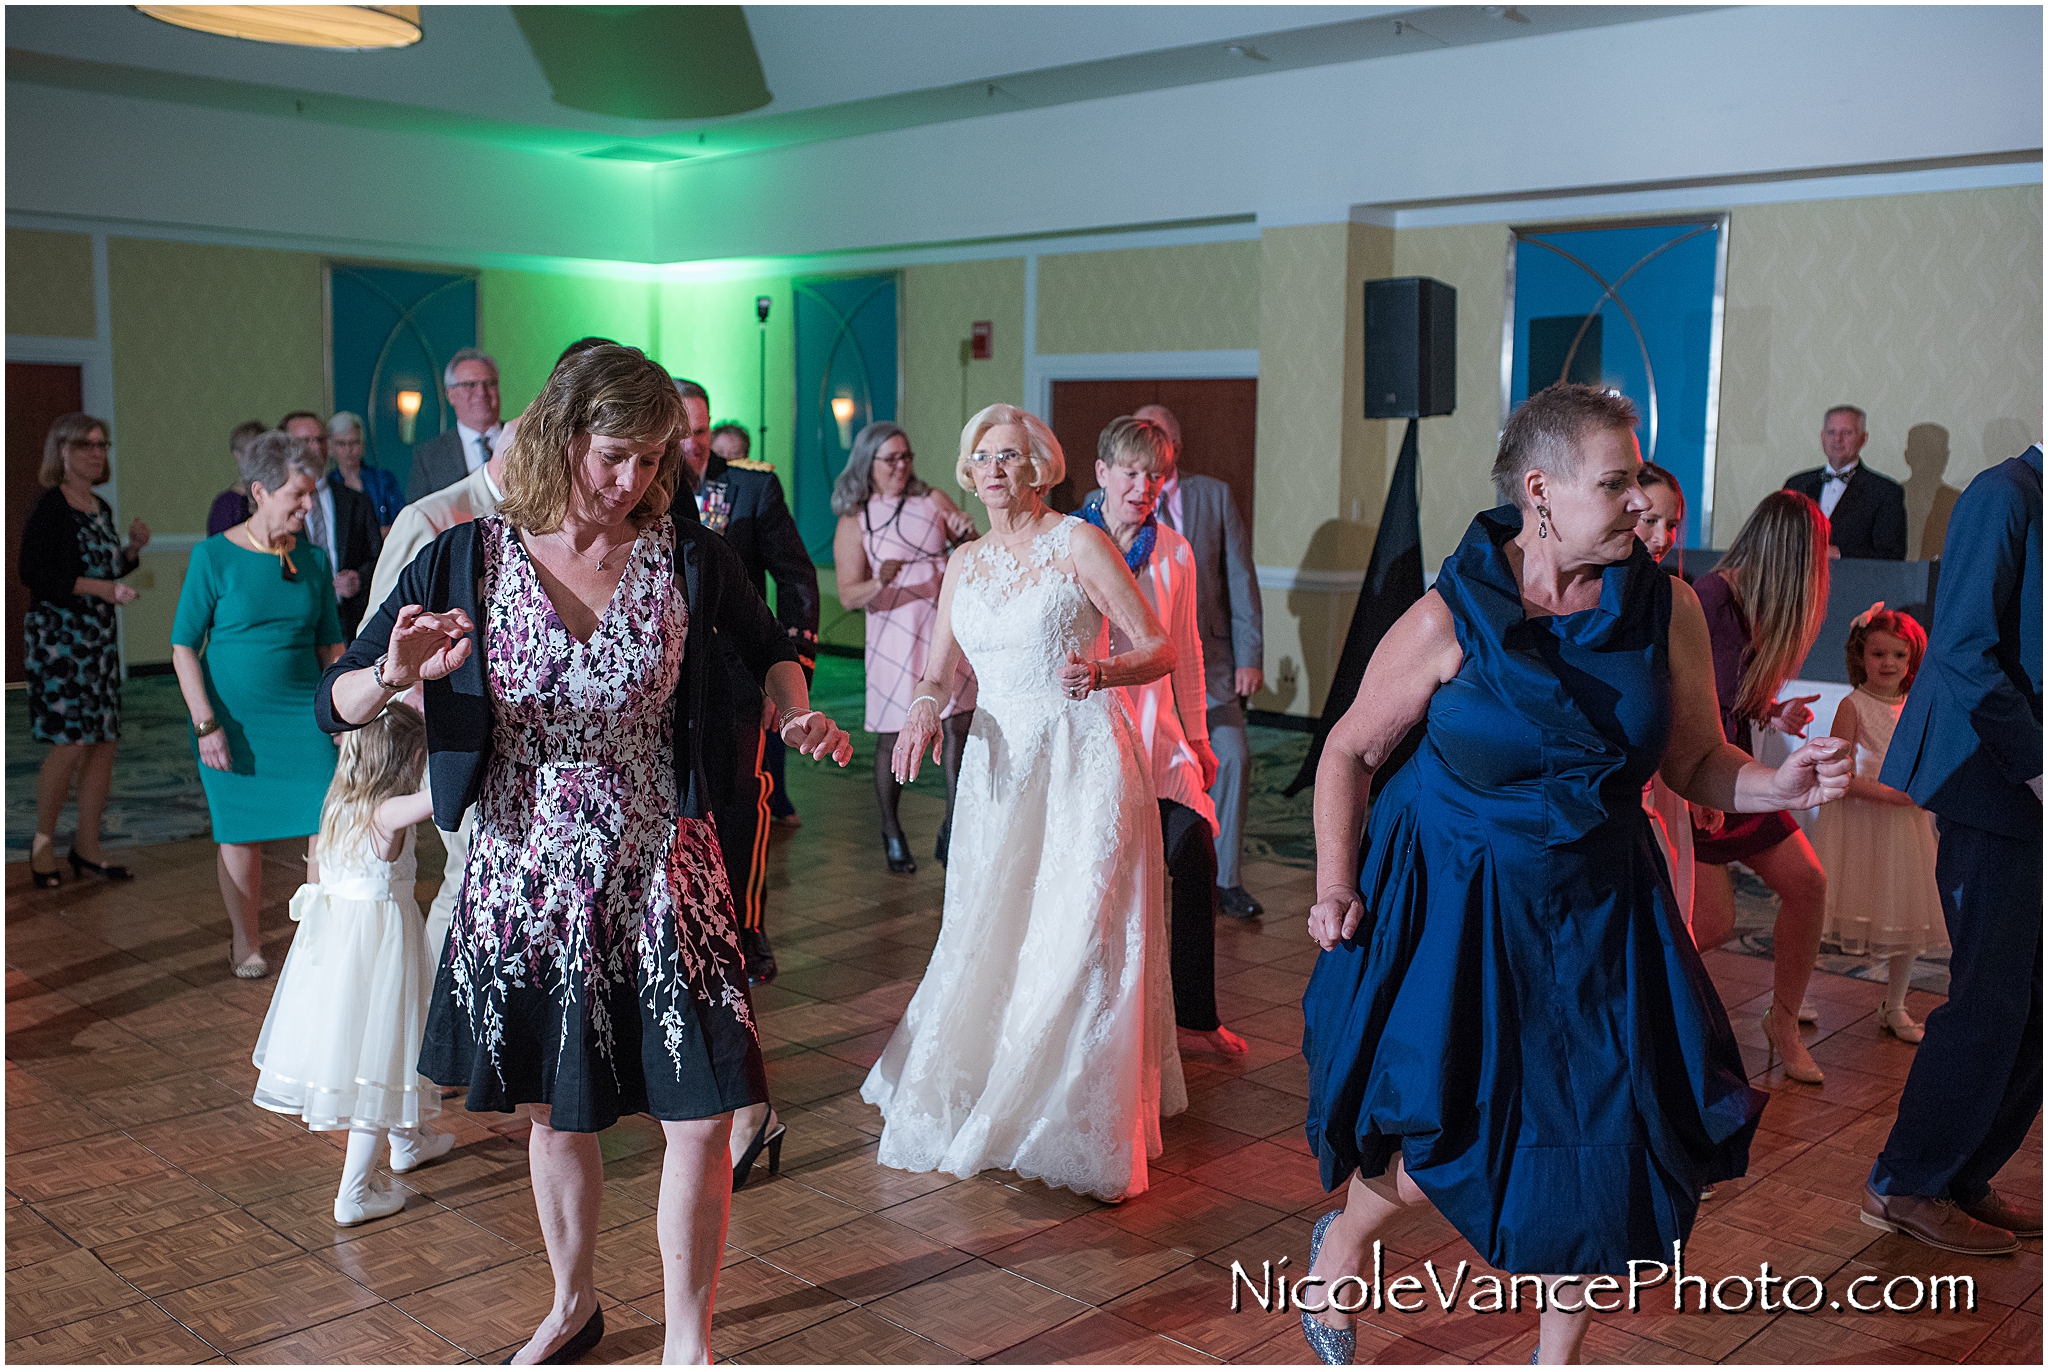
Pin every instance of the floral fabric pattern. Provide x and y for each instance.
(593, 963)
(74, 655)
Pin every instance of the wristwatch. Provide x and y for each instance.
(377, 674)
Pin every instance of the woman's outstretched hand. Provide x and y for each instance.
(920, 733)
(817, 736)
(1815, 774)
(1334, 918)
(426, 646)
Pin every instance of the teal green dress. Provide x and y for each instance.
(258, 636)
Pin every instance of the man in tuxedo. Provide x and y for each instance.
(341, 523)
(1866, 511)
(1968, 748)
(1231, 623)
(471, 379)
(742, 502)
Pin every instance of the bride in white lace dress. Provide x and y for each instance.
(1041, 1039)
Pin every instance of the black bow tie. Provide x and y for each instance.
(1842, 476)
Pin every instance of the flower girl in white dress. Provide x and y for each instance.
(1876, 845)
(341, 1043)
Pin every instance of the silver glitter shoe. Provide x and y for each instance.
(1331, 1346)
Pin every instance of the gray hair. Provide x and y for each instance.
(343, 421)
(1048, 462)
(1861, 420)
(856, 482)
(467, 354)
(1545, 433)
(274, 458)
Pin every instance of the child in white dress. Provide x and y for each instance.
(341, 1043)
(1877, 846)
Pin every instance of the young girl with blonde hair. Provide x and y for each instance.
(341, 1043)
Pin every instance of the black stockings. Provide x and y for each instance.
(887, 791)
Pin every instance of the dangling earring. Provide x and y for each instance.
(1542, 515)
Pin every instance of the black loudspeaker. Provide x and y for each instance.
(1411, 348)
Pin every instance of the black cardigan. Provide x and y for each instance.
(447, 575)
(51, 559)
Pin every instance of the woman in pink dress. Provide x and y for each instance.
(889, 555)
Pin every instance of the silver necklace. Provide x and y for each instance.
(585, 556)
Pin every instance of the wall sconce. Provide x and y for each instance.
(408, 412)
(842, 412)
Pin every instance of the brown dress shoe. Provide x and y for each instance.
(1995, 1209)
(1938, 1222)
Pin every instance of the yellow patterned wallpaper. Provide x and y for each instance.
(49, 284)
(204, 337)
(1924, 310)
(941, 388)
(1200, 297)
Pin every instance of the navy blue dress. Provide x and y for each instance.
(1522, 1011)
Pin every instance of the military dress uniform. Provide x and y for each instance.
(742, 501)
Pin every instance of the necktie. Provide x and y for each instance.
(483, 445)
(316, 527)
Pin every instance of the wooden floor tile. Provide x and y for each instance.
(977, 1309)
(1191, 1217)
(772, 1214)
(1192, 1306)
(62, 1290)
(31, 1240)
(1098, 1338)
(31, 1127)
(866, 1259)
(1089, 1259)
(210, 1248)
(140, 1334)
(440, 1247)
(979, 1215)
(758, 1304)
(494, 1308)
(131, 1208)
(264, 1304)
(375, 1336)
(856, 1338)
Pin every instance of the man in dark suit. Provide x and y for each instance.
(742, 501)
(1866, 511)
(1968, 748)
(471, 379)
(343, 524)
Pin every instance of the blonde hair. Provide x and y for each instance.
(381, 760)
(1048, 462)
(1781, 584)
(1140, 444)
(67, 428)
(608, 391)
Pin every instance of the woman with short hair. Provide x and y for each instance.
(889, 558)
(569, 646)
(72, 563)
(1508, 1021)
(1040, 1039)
(256, 623)
(345, 445)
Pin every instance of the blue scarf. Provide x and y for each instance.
(1141, 546)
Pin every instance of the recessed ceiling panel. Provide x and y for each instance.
(646, 61)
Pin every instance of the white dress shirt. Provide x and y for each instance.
(1169, 505)
(330, 536)
(472, 450)
(1832, 484)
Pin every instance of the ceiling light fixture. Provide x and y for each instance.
(308, 26)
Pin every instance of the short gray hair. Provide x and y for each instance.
(1862, 422)
(1546, 432)
(275, 457)
(343, 421)
(467, 354)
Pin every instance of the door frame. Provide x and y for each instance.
(1042, 369)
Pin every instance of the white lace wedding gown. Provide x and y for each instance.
(1041, 1039)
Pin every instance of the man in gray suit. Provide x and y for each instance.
(471, 379)
(1232, 626)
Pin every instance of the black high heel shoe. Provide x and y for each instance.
(901, 862)
(577, 1346)
(44, 880)
(771, 1140)
(79, 866)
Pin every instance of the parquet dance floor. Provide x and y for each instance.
(155, 1215)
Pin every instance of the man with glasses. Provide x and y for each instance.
(471, 380)
(342, 523)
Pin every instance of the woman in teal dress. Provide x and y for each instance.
(256, 625)
(1509, 1020)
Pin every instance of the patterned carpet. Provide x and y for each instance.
(157, 797)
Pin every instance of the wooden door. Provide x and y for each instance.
(37, 395)
(1219, 422)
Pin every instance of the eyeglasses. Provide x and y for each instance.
(901, 459)
(1009, 459)
(473, 385)
(100, 446)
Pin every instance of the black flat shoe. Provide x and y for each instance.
(763, 1138)
(901, 862)
(945, 841)
(574, 1349)
(759, 956)
(44, 880)
(1238, 903)
(79, 866)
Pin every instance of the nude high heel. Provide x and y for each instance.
(1798, 1061)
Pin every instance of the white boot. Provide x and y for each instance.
(413, 1148)
(362, 1196)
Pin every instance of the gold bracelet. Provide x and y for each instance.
(206, 729)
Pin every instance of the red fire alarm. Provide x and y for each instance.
(983, 346)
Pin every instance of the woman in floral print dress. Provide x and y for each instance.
(593, 969)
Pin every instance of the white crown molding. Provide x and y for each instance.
(1325, 582)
